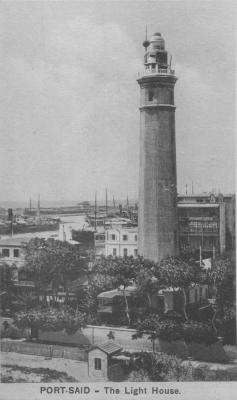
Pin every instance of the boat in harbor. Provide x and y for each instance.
(6, 228)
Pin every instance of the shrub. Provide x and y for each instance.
(208, 353)
(164, 329)
(12, 332)
(227, 326)
(199, 332)
(170, 330)
(138, 376)
(169, 368)
(159, 368)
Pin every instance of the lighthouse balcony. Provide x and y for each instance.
(155, 70)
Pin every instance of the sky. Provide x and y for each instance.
(69, 96)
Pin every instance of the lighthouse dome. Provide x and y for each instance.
(157, 41)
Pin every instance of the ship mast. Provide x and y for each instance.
(106, 202)
(95, 224)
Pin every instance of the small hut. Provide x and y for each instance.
(101, 362)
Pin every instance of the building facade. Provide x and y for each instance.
(157, 218)
(12, 251)
(207, 223)
(121, 242)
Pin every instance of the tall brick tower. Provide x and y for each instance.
(157, 218)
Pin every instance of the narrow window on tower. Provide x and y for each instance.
(150, 95)
(172, 97)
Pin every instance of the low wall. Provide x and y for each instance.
(122, 336)
(93, 334)
(39, 349)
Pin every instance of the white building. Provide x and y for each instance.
(65, 234)
(12, 250)
(121, 242)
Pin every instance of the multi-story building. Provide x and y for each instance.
(99, 239)
(121, 242)
(207, 223)
(12, 251)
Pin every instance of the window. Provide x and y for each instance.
(114, 252)
(125, 252)
(5, 252)
(98, 363)
(125, 237)
(135, 238)
(16, 252)
(200, 291)
(135, 252)
(113, 237)
(172, 96)
(150, 95)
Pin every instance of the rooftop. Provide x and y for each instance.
(19, 241)
(204, 194)
(116, 292)
(198, 205)
(109, 347)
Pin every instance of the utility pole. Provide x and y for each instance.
(106, 203)
(38, 208)
(10, 218)
(186, 188)
(95, 225)
(113, 202)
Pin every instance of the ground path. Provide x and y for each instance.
(76, 369)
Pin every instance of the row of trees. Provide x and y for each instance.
(172, 272)
(54, 264)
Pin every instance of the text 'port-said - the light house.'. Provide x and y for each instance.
(157, 220)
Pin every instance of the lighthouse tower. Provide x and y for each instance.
(157, 218)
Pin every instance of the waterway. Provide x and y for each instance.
(70, 222)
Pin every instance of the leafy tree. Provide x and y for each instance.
(157, 327)
(122, 272)
(53, 262)
(50, 319)
(174, 272)
(6, 286)
(147, 285)
(225, 313)
(170, 331)
(221, 278)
